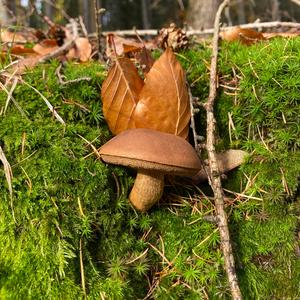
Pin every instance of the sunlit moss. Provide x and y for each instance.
(64, 197)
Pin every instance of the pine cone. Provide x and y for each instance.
(172, 37)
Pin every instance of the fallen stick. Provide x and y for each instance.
(215, 178)
(255, 25)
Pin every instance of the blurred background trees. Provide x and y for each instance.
(127, 14)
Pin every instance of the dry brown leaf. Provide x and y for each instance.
(164, 101)
(7, 36)
(145, 59)
(243, 35)
(21, 50)
(23, 64)
(45, 47)
(116, 45)
(81, 51)
(120, 92)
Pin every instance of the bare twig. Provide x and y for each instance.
(82, 25)
(98, 12)
(10, 97)
(44, 18)
(61, 77)
(50, 106)
(215, 179)
(256, 25)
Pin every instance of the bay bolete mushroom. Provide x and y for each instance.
(153, 154)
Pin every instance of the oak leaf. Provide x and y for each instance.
(164, 101)
(120, 93)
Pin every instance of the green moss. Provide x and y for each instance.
(55, 174)
(264, 112)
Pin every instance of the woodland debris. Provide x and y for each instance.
(215, 178)
(243, 35)
(172, 37)
(160, 102)
(227, 161)
(164, 101)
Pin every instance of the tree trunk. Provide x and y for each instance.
(201, 13)
(49, 10)
(146, 14)
(88, 13)
(3, 13)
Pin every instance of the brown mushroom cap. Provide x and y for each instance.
(151, 150)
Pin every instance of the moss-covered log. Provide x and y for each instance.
(63, 195)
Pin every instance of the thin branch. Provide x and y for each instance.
(256, 25)
(82, 25)
(61, 77)
(50, 106)
(215, 178)
(10, 96)
(98, 11)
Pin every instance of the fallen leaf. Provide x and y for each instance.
(82, 50)
(21, 37)
(164, 101)
(21, 65)
(120, 93)
(45, 47)
(21, 50)
(144, 59)
(243, 35)
(118, 46)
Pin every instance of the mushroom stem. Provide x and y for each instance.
(147, 189)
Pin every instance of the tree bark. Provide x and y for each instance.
(145, 14)
(3, 13)
(201, 13)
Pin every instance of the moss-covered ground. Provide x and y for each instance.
(69, 231)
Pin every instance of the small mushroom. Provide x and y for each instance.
(153, 154)
(227, 161)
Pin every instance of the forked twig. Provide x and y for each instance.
(215, 178)
(255, 25)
